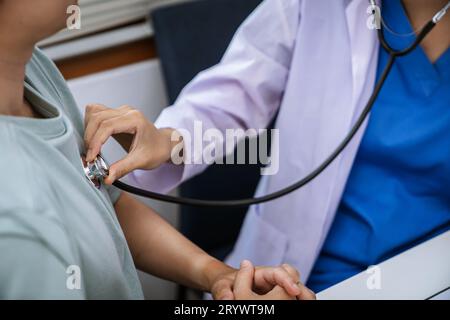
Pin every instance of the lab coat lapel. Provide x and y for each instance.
(348, 68)
(364, 48)
(332, 108)
(330, 82)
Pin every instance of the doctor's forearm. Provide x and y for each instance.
(159, 249)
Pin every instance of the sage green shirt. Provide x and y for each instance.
(57, 231)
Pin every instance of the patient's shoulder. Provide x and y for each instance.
(50, 83)
(41, 68)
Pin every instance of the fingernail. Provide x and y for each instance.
(227, 297)
(111, 178)
(295, 286)
(89, 155)
(246, 264)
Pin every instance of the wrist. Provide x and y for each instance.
(171, 140)
(212, 271)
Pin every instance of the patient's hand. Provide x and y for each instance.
(261, 283)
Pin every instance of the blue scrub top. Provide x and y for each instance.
(398, 192)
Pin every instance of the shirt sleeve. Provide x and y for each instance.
(114, 193)
(243, 91)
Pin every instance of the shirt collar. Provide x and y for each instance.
(399, 34)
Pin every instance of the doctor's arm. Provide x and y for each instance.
(157, 248)
(243, 91)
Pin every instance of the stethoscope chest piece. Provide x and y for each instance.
(96, 170)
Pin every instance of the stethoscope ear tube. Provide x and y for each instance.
(398, 53)
(393, 54)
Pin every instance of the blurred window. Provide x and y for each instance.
(104, 23)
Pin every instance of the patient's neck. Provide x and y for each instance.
(12, 77)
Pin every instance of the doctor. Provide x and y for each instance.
(316, 62)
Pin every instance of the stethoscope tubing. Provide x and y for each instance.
(393, 54)
(278, 194)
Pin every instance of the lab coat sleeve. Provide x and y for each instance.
(243, 91)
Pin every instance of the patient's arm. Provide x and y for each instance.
(159, 249)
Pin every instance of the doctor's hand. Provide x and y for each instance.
(147, 146)
(261, 283)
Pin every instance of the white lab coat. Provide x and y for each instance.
(316, 61)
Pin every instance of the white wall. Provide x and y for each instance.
(139, 85)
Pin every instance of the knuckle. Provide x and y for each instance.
(119, 172)
(291, 270)
(223, 284)
(106, 124)
(92, 107)
(89, 108)
(142, 123)
(94, 118)
(220, 287)
(279, 272)
(135, 114)
(127, 107)
(286, 266)
(139, 119)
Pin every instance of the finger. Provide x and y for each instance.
(97, 116)
(94, 123)
(244, 279)
(122, 167)
(106, 129)
(279, 276)
(265, 280)
(261, 285)
(223, 291)
(225, 295)
(306, 294)
(92, 109)
(277, 293)
(291, 271)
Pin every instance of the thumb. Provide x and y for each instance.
(244, 279)
(121, 168)
(223, 291)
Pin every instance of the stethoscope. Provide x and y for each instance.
(97, 170)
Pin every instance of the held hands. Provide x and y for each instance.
(261, 283)
(147, 146)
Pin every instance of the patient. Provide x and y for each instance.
(54, 225)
